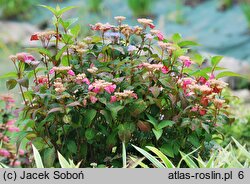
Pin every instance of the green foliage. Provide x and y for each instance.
(95, 5)
(16, 9)
(141, 8)
(246, 11)
(63, 162)
(87, 97)
(227, 157)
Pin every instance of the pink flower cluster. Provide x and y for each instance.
(205, 92)
(185, 60)
(99, 85)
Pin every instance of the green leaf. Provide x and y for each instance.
(197, 58)
(193, 139)
(150, 157)
(71, 145)
(242, 149)
(138, 161)
(124, 155)
(152, 120)
(176, 37)
(63, 162)
(49, 8)
(3, 166)
(158, 133)
(24, 82)
(137, 107)
(228, 74)
(49, 157)
(107, 115)
(215, 60)
(90, 134)
(75, 30)
(114, 109)
(10, 84)
(164, 159)
(9, 75)
(59, 54)
(41, 51)
(187, 43)
(89, 117)
(167, 150)
(37, 157)
(188, 160)
(67, 23)
(63, 10)
(165, 123)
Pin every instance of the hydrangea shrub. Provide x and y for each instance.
(125, 84)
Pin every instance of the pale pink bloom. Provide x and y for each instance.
(190, 94)
(4, 153)
(165, 69)
(52, 71)
(86, 80)
(202, 80)
(6, 139)
(91, 87)
(131, 48)
(149, 36)
(10, 122)
(13, 129)
(186, 61)
(194, 109)
(71, 72)
(134, 95)
(160, 36)
(21, 152)
(113, 99)
(15, 163)
(211, 76)
(84, 102)
(93, 99)
(110, 89)
(96, 90)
